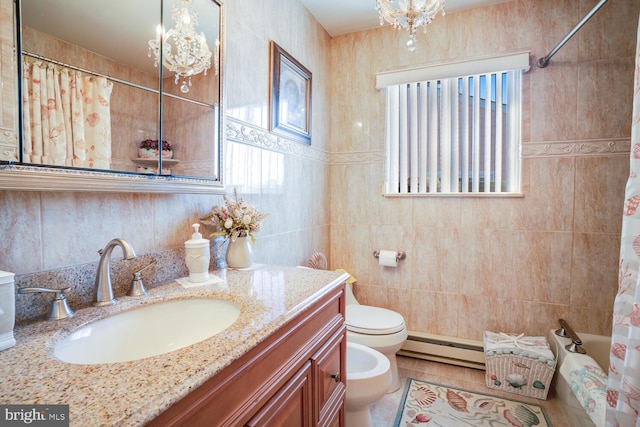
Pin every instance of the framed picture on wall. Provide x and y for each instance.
(290, 96)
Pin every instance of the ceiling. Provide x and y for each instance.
(349, 16)
(92, 21)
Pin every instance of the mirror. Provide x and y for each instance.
(114, 99)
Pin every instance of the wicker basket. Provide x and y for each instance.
(519, 368)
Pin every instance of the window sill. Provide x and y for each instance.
(460, 195)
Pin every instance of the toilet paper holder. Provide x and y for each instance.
(401, 255)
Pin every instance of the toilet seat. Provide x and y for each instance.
(364, 319)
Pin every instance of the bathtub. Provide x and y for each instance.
(581, 379)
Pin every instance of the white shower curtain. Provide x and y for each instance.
(67, 116)
(623, 388)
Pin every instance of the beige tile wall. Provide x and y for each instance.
(502, 264)
(46, 231)
(514, 264)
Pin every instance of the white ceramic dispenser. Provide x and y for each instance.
(7, 310)
(198, 255)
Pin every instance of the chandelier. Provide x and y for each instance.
(409, 15)
(184, 52)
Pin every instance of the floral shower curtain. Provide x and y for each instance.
(67, 117)
(623, 388)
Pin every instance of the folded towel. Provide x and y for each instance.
(588, 383)
(574, 362)
(520, 344)
(351, 279)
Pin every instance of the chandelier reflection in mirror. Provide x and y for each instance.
(184, 51)
(409, 15)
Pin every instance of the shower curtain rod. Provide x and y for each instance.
(83, 70)
(114, 79)
(543, 62)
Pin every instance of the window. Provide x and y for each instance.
(454, 128)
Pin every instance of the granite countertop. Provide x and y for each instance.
(133, 393)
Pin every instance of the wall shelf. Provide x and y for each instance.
(154, 162)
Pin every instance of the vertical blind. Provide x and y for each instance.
(454, 135)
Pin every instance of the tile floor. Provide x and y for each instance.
(384, 411)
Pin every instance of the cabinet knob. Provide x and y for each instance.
(336, 377)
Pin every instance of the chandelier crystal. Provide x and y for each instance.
(409, 15)
(184, 51)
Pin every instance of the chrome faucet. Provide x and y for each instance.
(104, 288)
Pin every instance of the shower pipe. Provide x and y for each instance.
(543, 62)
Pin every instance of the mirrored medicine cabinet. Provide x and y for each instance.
(115, 96)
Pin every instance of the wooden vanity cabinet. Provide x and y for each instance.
(329, 369)
(291, 406)
(294, 378)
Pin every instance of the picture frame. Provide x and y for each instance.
(290, 94)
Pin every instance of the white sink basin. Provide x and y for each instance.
(147, 331)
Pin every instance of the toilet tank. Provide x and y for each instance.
(350, 298)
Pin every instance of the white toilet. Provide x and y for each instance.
(368, 379)
(378, 328)
(375, 327)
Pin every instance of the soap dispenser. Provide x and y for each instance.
(197, 256)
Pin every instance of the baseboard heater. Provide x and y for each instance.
(439, 348)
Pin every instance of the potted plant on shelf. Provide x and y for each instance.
(149, 149)
(237, 222)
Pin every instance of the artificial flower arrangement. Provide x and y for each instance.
(235, 219)
(149, 149)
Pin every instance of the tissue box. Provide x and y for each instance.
(518, 364)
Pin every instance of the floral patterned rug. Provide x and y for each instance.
(427, 404)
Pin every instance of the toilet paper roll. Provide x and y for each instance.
(388, 258)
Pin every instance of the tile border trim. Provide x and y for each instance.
(245, 133)
(580, 148)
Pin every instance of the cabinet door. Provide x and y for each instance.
(329, 369)
(336, 420)
(291, 406)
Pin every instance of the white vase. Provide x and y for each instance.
(239, 253)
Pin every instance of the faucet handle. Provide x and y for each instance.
(60, 308)
(137, 287)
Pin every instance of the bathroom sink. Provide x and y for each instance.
(147, 331)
